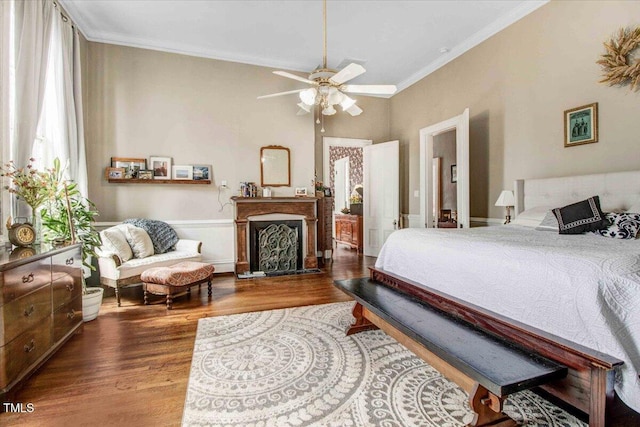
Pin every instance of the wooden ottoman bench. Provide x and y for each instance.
(175, 279)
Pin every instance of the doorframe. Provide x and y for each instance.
(462, 160)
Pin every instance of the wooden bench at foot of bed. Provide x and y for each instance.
(588, 385)
(486, 367)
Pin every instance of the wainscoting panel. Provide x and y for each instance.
(217, 237)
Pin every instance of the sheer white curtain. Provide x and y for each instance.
(33, 23)
(60, 130)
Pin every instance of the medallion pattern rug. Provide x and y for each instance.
(296, 367)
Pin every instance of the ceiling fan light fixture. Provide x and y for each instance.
(329, 111)
(308, 96)
(304, 107)
(335, 96)
(347, 102)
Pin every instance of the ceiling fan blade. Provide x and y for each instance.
(354, 110)
(349, 72)
(293, 76)
(281, 93)
(371, 89)
(302, 112)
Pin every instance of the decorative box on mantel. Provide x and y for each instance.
(246, 207)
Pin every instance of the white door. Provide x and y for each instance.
(381, 202)
(341, 184)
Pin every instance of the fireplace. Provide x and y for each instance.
(275, 246)
(275, 209)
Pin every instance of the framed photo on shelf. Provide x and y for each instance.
(454, 173)
(327, 192)
(161, 167)
(182, 172)
(145, 174)
(131, 165)
(201, 172)
(581, 125)
(301, 191)
(114, 173)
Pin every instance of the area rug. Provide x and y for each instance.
(296, 367)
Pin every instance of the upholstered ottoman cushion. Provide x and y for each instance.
(180, 274)
(176, 278)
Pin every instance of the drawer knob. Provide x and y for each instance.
(29, 311)
(70, 287)
(28, 278)
(69, 261)
(71, 314)
(29, 348)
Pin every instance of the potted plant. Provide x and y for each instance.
(67, 218)
(30, 186)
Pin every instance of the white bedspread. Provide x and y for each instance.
(584, 288)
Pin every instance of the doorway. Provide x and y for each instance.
(459, 173)
(342, 168)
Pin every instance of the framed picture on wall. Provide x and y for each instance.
(182, 172)
(581, 125)
(130, 165)
(114, 173)
(454, 173)
(161, 167)
(201, 172)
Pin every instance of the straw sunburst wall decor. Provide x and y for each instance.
(621, 63)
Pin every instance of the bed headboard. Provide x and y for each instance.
(617, 190)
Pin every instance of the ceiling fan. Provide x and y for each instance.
(328, 86)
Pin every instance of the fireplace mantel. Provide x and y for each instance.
(253, 206)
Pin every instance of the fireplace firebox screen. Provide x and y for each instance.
(276, 246)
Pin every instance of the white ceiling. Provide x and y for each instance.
(398, 42)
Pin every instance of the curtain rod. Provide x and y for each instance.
(65, 18)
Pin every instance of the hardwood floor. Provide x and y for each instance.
(130, 366)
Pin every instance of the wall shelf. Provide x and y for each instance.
(159, 181)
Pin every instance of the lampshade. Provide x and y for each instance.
(506, 199)
(308, 96)
(347, 103)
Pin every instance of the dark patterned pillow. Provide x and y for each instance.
(581, 217)
(623, 226)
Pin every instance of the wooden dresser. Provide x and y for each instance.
(40, 309)
(349, 231)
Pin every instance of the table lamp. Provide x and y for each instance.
(506, 199)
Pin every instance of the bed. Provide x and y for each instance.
(538, 287)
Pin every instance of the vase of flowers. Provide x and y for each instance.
(30, 186)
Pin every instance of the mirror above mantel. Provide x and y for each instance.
(275, 166)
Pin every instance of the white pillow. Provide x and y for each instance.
(531, 217)
(114, 240)
(635, 208)
(139, 241)
(549, 223)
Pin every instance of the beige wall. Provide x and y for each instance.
(140, 103)
(517, 85)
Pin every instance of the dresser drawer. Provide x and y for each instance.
(66, 288)
(22, 280)
(21, 314)
(24, 350)
(66, 318)
(66, 263)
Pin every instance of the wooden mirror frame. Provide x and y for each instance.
(275, 166)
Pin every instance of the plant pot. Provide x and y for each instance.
(91, 302)
(356, 208)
